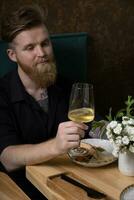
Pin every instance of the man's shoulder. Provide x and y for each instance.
(5, 83)
(7, 77)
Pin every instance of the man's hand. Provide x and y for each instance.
(69, 135)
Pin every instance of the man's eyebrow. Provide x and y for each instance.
(45, 40)
(28, 45)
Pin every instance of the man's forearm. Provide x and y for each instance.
(17, 156)
(67, 137)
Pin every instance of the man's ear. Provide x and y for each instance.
(12, 55)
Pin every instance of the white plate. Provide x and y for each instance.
(105, 157)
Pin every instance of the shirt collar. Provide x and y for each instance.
(18, 92)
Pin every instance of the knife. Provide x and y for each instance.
(90, 192)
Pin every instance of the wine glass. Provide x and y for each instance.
(81, 107)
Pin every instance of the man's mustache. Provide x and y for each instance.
(45, 60)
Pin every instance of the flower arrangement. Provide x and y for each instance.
(120, 128)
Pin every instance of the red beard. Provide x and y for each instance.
(43, 74)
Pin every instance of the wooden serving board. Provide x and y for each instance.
(46, 177)
(55, 188)
(67, 189)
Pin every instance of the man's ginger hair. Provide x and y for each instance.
(24, 18)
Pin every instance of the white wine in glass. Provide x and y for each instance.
(81, 105)
(81, 115)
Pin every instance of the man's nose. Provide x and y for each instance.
(40, 51)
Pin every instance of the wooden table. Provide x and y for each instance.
(9, 190)
(106, 179)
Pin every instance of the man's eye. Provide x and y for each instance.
(29, 48)
(46, 43)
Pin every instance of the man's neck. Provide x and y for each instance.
(30, 85)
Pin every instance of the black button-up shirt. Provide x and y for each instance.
(22, 120)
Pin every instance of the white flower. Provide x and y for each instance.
(118, 141)
(118, 129)
(125, 120)
(125, 123)
(131, 121)
(131, 148)
(108, 127)
(113, 124)
(129, 130)
(120, 135)
(115, 151)
(109, 134)
(123, 149)
(125, 140)
(113, 143)
(131, 138)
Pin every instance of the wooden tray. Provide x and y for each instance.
(68, 190)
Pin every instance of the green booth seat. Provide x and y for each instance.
(6, 64)
(71, 53)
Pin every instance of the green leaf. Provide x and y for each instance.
(101, 125)
(98, 124)
(128, 111)
(120, 113)
(109, 116)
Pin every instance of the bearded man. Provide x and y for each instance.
(33, 110)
